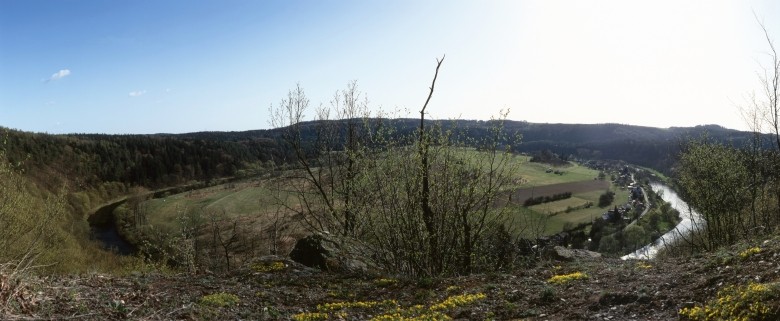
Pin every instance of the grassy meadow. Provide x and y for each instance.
(535, 174)
(247, 209)
(234, 199)
(255, 199)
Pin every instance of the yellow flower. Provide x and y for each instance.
(749, 252)
(310, 316)
(566, 278)
(736, 303)
(266, 267)
(358, 305)
(457, 300)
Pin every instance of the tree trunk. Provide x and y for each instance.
(425, 205)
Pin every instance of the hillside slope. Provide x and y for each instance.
(274, 288)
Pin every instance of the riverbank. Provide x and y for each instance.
(114, 233)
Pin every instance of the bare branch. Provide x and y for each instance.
(433, 83)
(771, 84)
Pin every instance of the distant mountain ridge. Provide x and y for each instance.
(642, 145)
(647, 146)
(164, 159)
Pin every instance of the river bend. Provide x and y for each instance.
(683, 228)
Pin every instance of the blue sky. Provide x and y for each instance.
(183, 66)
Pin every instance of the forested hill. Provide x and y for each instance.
(167, 159)
(136, 160)
(647, 146)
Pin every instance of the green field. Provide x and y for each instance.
(559, 207)
(535, 174)
(555, 222)
(255, 198)
(247, 199)
(528, 174)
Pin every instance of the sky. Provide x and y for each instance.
(141, 67)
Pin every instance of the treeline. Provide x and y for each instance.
(167, 159)
(531, 201)
(652, 147)
(644, 146)
(41, 233)
(136, 160)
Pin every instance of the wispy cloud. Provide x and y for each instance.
(137, 93)
(59, 75)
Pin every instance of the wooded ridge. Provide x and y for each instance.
(158, 160)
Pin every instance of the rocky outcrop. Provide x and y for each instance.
(334, 254)
(565, 254)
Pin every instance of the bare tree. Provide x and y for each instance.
(770, 79)
(229, 237)
(434, 217)
(423, 147)
(328, 164)
(762, 115)
(424, 202)
(770, 108)
(277, 218)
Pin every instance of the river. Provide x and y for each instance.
(685, 226)
(103, 226)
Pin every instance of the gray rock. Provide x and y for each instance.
(334, 254)
(565, 254)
